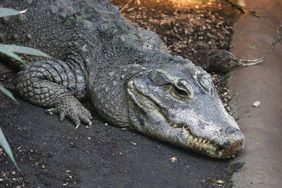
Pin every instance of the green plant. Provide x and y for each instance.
(7, 93)
(12, 51)
(10, 12)
(4, 143)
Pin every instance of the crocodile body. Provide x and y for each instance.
(124, 71)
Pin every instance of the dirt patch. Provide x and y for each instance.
(190, 31)
(54, 154)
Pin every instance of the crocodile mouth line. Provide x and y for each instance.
(201, 144)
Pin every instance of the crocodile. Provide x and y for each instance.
(123, 72)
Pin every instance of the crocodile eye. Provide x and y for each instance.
(206, 82)
(182, 89)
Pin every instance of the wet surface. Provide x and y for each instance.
(262, 125)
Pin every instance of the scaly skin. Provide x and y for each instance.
(126, 73)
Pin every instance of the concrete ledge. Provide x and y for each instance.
(263, 125)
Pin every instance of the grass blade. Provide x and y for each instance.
(10, 12)
(12, 50)
(23, 50)
(11, 54)
(7, 149)
(7, 93)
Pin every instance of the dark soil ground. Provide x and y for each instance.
(54, 154)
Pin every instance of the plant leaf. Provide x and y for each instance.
(11, 54)
(7, 148)
(12, 50)
(253, 46)
(10, 12)
(23, 50)
(7, 93)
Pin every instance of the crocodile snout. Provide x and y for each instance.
(235, 141)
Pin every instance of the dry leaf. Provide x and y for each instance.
(173, 159)
(256, 104)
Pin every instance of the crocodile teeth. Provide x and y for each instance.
(199, 143)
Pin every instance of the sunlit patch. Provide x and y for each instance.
(190, 3)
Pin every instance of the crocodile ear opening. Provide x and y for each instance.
(158, 79)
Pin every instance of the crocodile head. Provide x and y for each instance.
(178, 103)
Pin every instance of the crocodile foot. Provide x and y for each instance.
(69, 106)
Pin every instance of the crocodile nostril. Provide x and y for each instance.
(230, 130)
(225, 145)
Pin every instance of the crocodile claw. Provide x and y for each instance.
(78, 125)
(70, 107)
(62, 116)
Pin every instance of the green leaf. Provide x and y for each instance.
(11, 54)
(12, 50)
(7, 93)
(23, 50)
(253, 46)
(10, 12)
(7, 149)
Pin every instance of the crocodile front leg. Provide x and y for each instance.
(57, 85)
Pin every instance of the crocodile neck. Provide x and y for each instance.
(109, 95)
